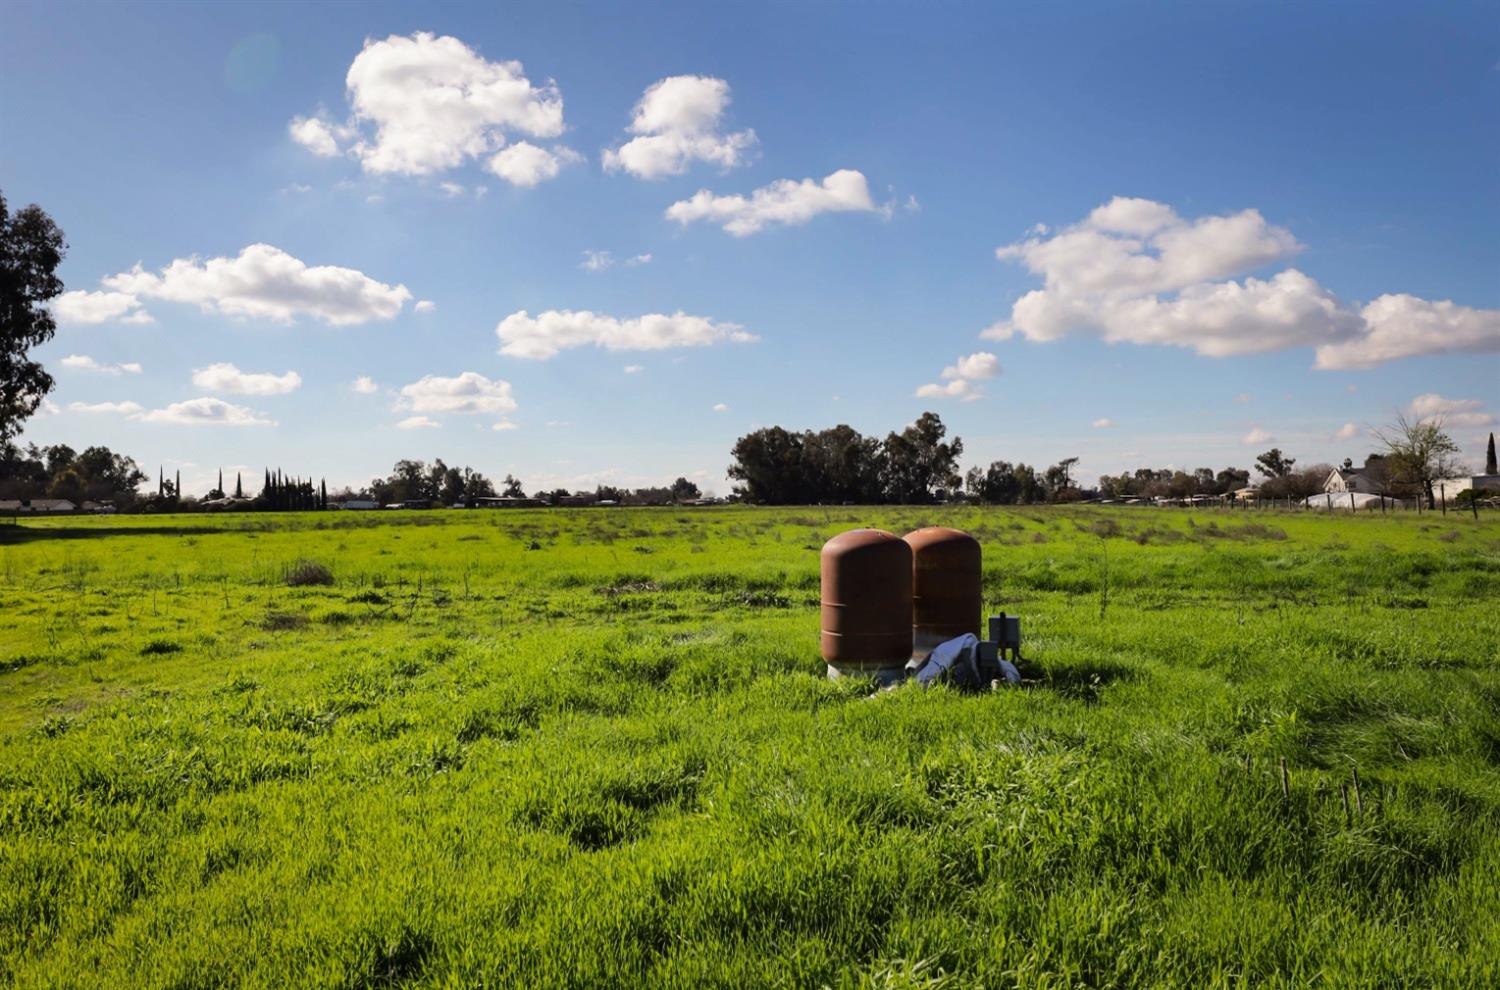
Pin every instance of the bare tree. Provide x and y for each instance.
(1419, 452)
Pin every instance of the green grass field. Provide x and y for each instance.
(596, 748)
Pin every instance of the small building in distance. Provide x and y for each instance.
(1478, 482)
(355, 503)
(500, 502)
(1350, 480)
(38, 505)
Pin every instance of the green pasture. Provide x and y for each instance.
(595, 748)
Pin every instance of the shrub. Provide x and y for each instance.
(307, 572)
(283, 621)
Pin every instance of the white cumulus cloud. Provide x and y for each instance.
(225, 377)
(1347, 432)
(1257, 435)
(265, 282)
(677, 122)
(544, 335)
(83, 307)
(721, 407)
(206, 411)
(1400, 326)
(418, 423)
(1138, 247)
(1431, 407)
(1103, 423)
(1135, 271)
(784, 201)
(422, 104)
(82, 362)
(114, 408)
(467, 394)
(365, 385)
(319, 136)
(524, 164)
(958, 388)
(961, 379)
(975, 367)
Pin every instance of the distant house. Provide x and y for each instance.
(42, 505)
(102, 508)
(1350, 480)
(1479, 482)
(355, 503)
(502, 502)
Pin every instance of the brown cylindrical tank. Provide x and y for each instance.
(946, 586)
(866, 602)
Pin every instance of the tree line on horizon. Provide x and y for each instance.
(917, 466)
(418, 481)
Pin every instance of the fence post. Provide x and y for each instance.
(1443, 494)
(1351, 503)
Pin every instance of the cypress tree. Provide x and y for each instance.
(220, 489)
(323, 492)
(1490, 467)
(161, 482)
(177, 487)
(239, 489)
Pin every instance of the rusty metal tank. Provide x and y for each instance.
(946, 586)
(866, 604)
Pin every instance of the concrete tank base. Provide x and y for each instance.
(883, 675)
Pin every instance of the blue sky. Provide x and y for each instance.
(1228, 227)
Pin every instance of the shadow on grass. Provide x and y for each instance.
(1084, 681)
(15, 534)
